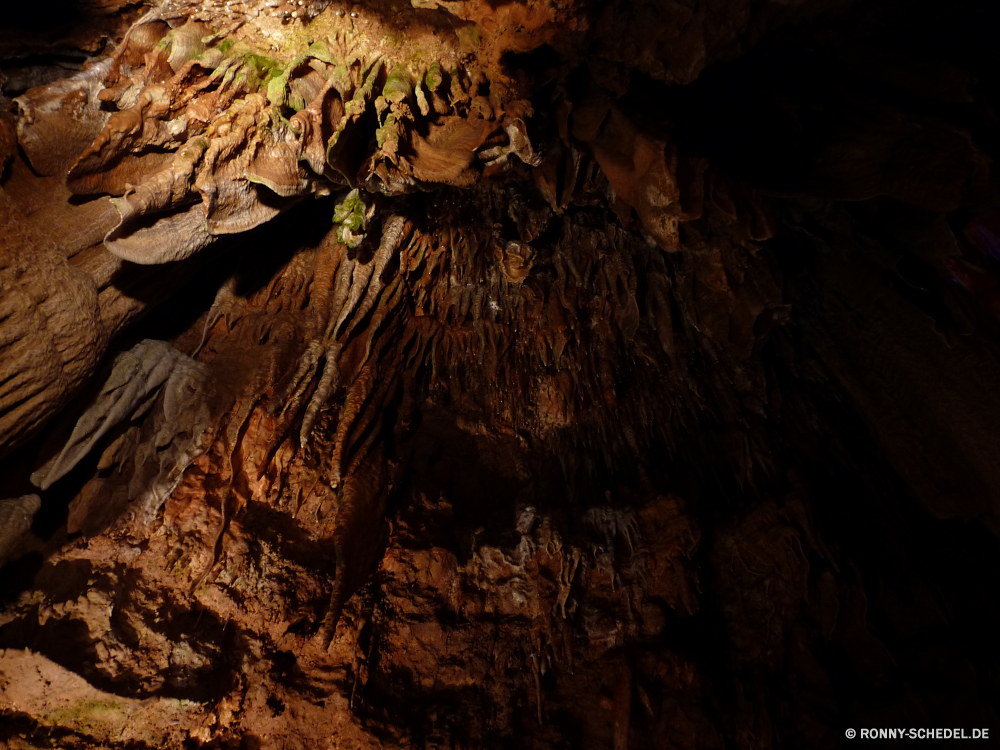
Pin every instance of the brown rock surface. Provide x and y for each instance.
(640, 393)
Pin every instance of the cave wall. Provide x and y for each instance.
(458, 375)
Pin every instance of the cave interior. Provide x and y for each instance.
(498, 373)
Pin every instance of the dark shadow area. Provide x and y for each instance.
(772, 115)
(47, 17)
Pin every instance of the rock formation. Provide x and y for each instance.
(471, 374)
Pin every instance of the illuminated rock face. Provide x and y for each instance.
(452, 375)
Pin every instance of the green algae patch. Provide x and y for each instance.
(434, 77)
(267, 68)
(88, 716)
(388, 133)
(349, 215)
(398, 85)
(470, 38)
(249, 66)
(277, 84)
(165, 43)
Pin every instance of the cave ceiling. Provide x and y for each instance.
(468, 373)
